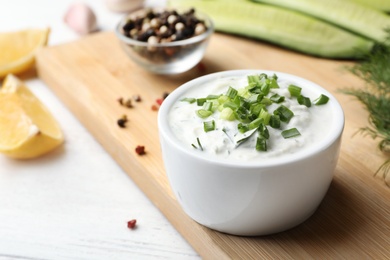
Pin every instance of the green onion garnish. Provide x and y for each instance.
(289, 133)
(202, 113)
(274, 121)
(265, 116)
(302, 100)
(209, 126)
(208, 106)
(321, 100)
(231, 93)
(263, 131)
(261, 144)
(242, 128)
(284, 113)
(200, 101)
(249, 105)
(189, 100)
(295, 91)
(227, 113)
(255, 123)
(273, 83)
(276, 98)
(255, 98)
(212, 97)
(266, 101)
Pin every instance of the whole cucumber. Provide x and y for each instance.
(283, 27)
(350, 15)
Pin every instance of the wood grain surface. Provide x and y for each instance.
(352, 222)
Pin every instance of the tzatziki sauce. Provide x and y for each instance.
(313, 123)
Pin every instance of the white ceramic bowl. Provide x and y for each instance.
(256, 198)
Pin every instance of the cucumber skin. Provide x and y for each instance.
(348, 14)
(381, 5)
(276, 25)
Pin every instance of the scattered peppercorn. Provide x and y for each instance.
(140, 150)
(122, 121)
(159, 101)
(128, 103)
(201, 67)
(165, 95)
(120, 100)
(131, 224)
(137, 98)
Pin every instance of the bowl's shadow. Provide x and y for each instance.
(333, 226)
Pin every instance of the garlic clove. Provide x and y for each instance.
(123, 5)
(81, 18)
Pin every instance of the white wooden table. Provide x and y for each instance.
(75, 202)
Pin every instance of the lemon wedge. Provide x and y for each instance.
(27, 128)
(18, 49)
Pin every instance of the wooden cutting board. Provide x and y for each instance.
(353, 221)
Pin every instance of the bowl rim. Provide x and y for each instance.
(166, 132)
(194, 39)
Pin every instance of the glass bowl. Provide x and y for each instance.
(165, 57)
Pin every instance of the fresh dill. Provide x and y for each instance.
(374, 70)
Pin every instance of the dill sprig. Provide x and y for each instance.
(374, 70)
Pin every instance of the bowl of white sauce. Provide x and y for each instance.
(250, 152)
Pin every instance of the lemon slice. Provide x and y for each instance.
(27, 128)
(18, 49)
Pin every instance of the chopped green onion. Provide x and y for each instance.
(252, 117)
(242, 128)
(302, 100)
(321, 100)
(266, 101)
(273, 83)
(209, 126)
(265, 116)
(208, 106)
(265, 88)
(200, 101)
(241, 114)
(189, 100)
(256, 109)
(289, 133)
(284, 113)
(276, 98)
(231, 93)
(261, 144)
(202, 113)
(254, 80)
(255, 123)
(255, 98)
(263, 131)
(212, 97)
(274, 121)
(227, 113)
(230, 104)
(237, 100)
(295, 91)
(223, 99)
(245, 103)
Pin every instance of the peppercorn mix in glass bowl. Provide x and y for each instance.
(165, 41)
